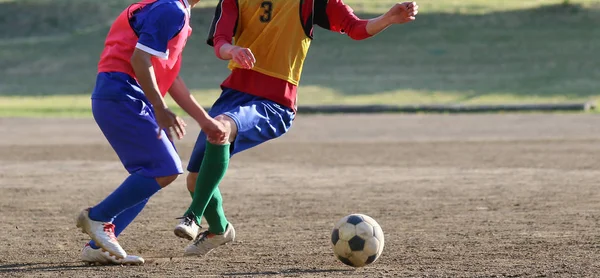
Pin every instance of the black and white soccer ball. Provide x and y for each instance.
(357, 240)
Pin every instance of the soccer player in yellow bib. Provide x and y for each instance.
(266, 42)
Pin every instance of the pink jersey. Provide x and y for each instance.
(121, 42)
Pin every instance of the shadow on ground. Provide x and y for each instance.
(292, 271)
(37, 267)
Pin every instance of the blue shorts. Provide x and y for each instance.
(258, 120)
(128, 124)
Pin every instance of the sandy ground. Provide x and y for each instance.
(456, 195)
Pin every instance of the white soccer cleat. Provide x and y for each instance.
(103, 233)
(206, 242)
(188, 227)
(99, 257)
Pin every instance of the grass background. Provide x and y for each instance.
(470, 52)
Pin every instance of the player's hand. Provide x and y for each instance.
(216, 132)
(169, 122)
(243, 57)
(402, 12)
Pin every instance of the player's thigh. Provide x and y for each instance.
(257, 122)
(130, 128)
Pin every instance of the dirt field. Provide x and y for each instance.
(457, 196)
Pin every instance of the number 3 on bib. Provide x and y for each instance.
(267, 7)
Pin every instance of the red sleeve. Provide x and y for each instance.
(224, 25)
(336, 16)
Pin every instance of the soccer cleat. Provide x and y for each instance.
(99, 257)
(206, 242)
(102, 233)
(188, 227)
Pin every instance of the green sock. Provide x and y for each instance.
(214, 213)
(213, 168)
(198, 219)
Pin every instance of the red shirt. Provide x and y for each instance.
(332, 15)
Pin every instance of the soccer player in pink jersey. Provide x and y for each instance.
(139, 65)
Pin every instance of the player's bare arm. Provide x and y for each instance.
(167, 120)
(400, 13)
(219, 130)
(182, 96)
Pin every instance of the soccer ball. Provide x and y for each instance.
(357, 240)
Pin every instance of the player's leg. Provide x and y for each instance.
(215, 215)
(189, 224)
(212, 170)
(252, 123)
(153, 163)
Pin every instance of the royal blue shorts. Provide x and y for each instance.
(258, 120)
(126, 119)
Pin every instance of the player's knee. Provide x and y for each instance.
(191, 181)
(229, 125)
(164, 181)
